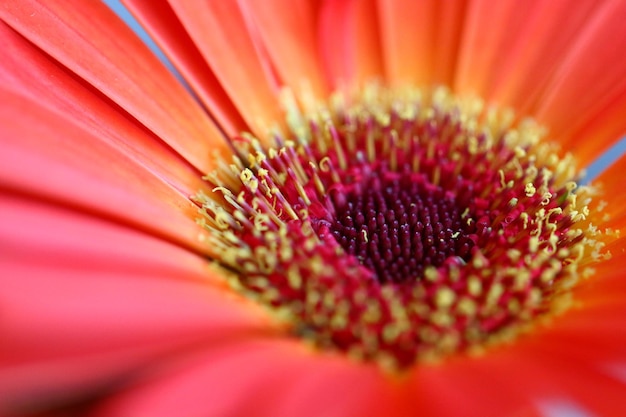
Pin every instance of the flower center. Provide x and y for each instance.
(397, 224)
(399, 228)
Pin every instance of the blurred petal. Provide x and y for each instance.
(117, 66)
(440, 389)
(588, 77)
(573, 83)
(350, 43)
(102, 301)
(421, 40)
(503, 55)
(611, 185)
(543, 374)
(604, 127)
(273, 378)
(509, 42)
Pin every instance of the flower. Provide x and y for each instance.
(110, 306)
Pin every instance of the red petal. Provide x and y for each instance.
(588, 336)
(548, 375)
(466, 386)
(49, 156)
(261, 378)
(83, 301)
(118, 64)
(33, 74)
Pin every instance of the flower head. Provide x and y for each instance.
(398, 228)
(365, 207)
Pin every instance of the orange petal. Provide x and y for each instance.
(287, 28)
(350, 42)
(84, 301)
(421, 40)
(34, 75)
(167, 31)
(505, 54)
(611, 184)
(219, 30)
(49, 156)
(589, 78)
(600, 130)
(273, 378)
(117, 65)
(554, 60)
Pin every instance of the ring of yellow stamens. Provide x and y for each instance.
(525, 221)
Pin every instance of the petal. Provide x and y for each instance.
(219, 30)
(544, 375)
(84, 302)
(601, 129)
(554, 60)
(167, 31)
(350, 43)
(421, 40)
(588, 334)
(504, 55)
(47, 155)
(34, 75)
(276, 378)
(486, 26)
(611, 196)
(466, 386)
(589, 76)
(117, 66)
(287, 28)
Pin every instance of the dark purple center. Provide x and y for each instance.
(396, 225)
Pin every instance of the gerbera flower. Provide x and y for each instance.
(354, 208)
